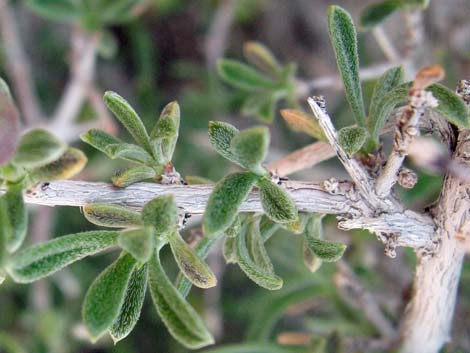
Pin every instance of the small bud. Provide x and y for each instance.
(407, 178)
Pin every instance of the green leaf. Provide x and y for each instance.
(260, 347)
(41, 260)
(229, 250)
(162, 213)
(99, 139)
(197, 180)
(267, 227)
(235, 227)
(224, 201)
(71, 162)
(261, 106)
(255, 244)
(344, 41)
(129, 152)
(138, 242)
(14, 217)
(352, 138)
(261, 57)
(190, 264)
(37, 148)
(313, 230)
(451, 107)
(243, 76)
(113, 216)
(63, 10)
(260, 276)
(105, 297)
(132, 305)
(389, 80)
(133, 175)
(9, 124)
(251, 147)
(182, 321)
(312, 262)
(165, 133)
(129, 118)
(220, 137)
(326, 250)
(276, 202)
(374, 14)
(202, 250)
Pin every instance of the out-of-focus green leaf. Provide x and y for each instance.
(313, 230)
(334, 343)
(352, 138)
(113, 216)
(234, 228)
(327, 251)
(37, 148)
(162, 213)
(229, 250)
(303, 122)
(416, 3)
(9, 124)
(9, 344)
(261, 276)
(389, 80)
(129, 118)
(344, 41)
(226, 198)
(132, 305)
(105, 297)
(267, 227)
(374, 14)
(182, 321)
(165, 132)
(261, 106)
(243, 76)
(276, 202)
(133, 175)
(260, 56)
(220, 137)
(312, 262)
(139, 242)
(255, 348)
(57, 10)
(14, 217)
(250, 148)
(190, 264)
(129, 152)
(71, 162)
(41, 260)
(451, 107)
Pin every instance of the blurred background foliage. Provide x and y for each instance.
(156, 51)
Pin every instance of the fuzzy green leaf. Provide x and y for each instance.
(276, 202)
(312, 262)
(14, 217)
(9, 124)
(326, 250)
(132, 305)
(344, 41)
(129, 152)
(243, 76)
(105, 297)
(133, 175)
(41, 260)
(182, 321)
(226, 198)
(99, 139)
(451, 107)
(313, 230)
(250, 148)
(129, 118)
(197, 180)
(165, 132)
(235, 228)
(389, 80)
(220, 137)
(229, 250)
(190, 264)
(202, 250)
(138, 242)
(261, 57)
(257, 251)
(374, 14)
(37, 148)
(257, 274)
(113, 216)
(71, 162)
(162, 213)
(267, 227)
(352, 138)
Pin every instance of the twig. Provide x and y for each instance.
(218, 33)
(352, 291)
(18, 66)
(83, 59)
(389, 50)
